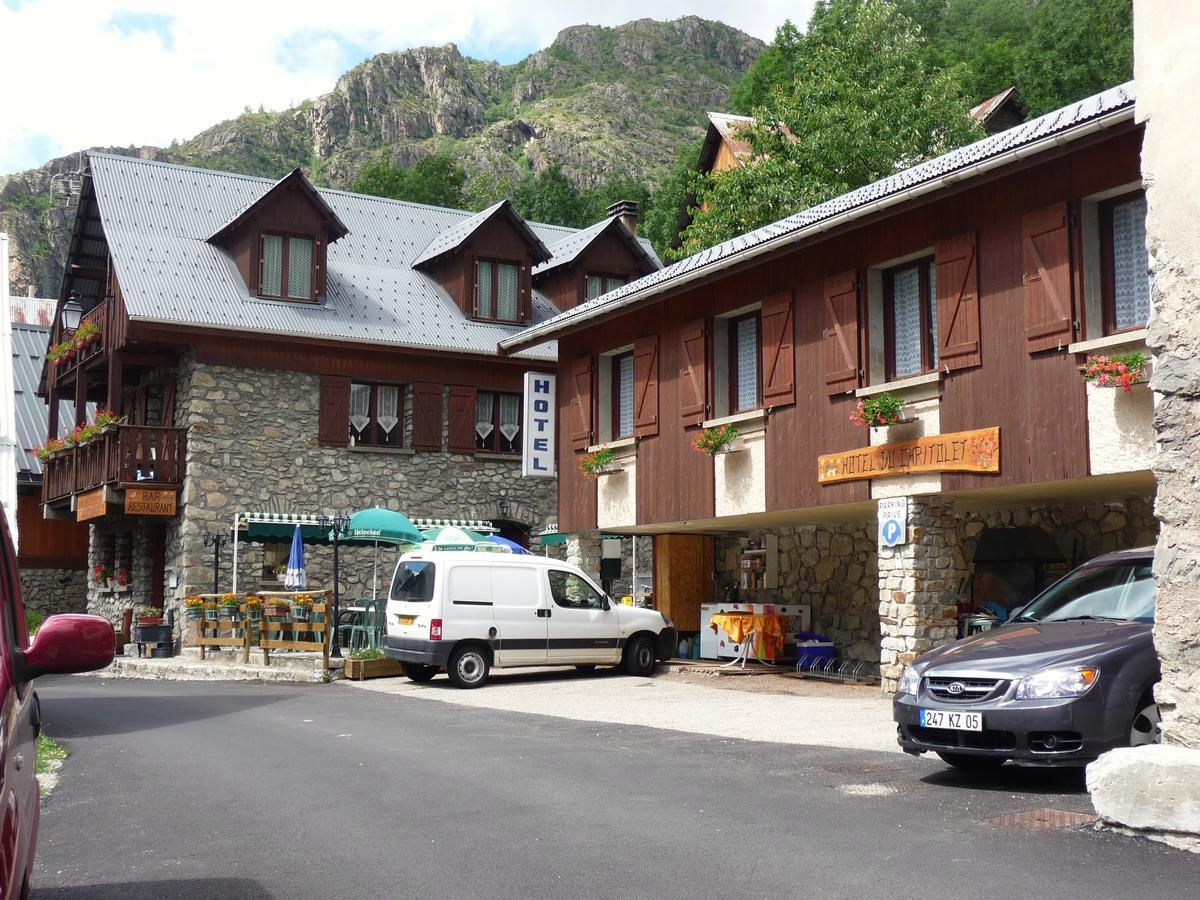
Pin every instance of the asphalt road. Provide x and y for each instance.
(207, 790)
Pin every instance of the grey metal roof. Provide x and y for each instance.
(337, 228)
(1111, 105)
(29, 353)
(568, 249)
(452, 238)
(157, 217)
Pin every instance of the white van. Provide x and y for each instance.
(466, 612)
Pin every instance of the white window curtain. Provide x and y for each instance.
(933, 325)
(747, 368)
(272, 266)
(1131, 264)
(300, 252)
(387, 407)
(906, 321)
(595, 286)
(510, 416)
(360, 407)
(625, 397)
(507, 304)
(483, 289)
(483, 414)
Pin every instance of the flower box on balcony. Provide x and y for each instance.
(734, 446)
(611, 468)
(905, 420)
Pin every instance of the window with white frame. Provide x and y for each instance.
(286, 266)
(1125, 263)
(377, 414)
(614, 394)
(911, 319)
(498, 422)
(737, 361)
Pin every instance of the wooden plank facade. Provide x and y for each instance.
(1009, 315)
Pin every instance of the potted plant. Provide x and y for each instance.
(280, 572)
(193, 607)
(371, 664)
(878, 412)
(721, 439)
(229, 607)
(1122, 370)
(149, 615)
(121, 582)
(68, 351)
(106, 420)
(86, 335)
(596, 463)
(212, 611)
(254, 608)
(276, 608)
(302, 607)
(54, 355)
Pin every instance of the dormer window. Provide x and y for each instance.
(602, 284)
(286, 267)
(497, 290)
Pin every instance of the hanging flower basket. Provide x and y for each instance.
(721, 439)
(1122, 370)
(599, 462)
(254, 608)
(212, 612)
(879, 412)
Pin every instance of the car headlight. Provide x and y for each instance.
(1053, 684)
(910, 682)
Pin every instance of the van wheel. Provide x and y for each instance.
(468, 667)
(417, 672)
(639, 657)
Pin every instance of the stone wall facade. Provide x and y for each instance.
(252, 446)
(48, 592)
(831, 568)
(583, 551)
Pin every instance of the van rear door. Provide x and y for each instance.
(410, 606)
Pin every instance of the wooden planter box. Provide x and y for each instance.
(360, 669)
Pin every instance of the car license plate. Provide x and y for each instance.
(406, 620)
(956, 721)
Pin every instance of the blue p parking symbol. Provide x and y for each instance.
(892, 532)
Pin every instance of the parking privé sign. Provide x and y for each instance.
(537, 447)
(893, 521)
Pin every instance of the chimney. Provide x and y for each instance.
(627, 212)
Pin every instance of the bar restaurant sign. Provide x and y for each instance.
(90, 505)
(961, 451)
(149, 502)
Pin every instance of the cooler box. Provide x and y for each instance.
(811, 649)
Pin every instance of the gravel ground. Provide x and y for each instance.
(759, 707)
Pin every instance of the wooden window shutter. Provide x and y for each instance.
(840, 339)
(167, 415)
(957, 302)
(1046, 254)
(645, 386)
(778, 355)
(334, 411)
(427, 416)
(462, 419)
(693, 377)
(580, 387)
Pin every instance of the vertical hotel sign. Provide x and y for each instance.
(537, 447)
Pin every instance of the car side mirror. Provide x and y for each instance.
(66, 644)
(605, 603)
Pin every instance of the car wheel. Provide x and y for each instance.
(468, 667)
(418, 672)
(1146, 727)
(969, 763)
(639, 657)
(585, 667)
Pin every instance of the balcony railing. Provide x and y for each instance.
(98, 316)
(129, 456)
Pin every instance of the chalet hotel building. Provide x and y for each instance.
(974, 287)
(278, 348)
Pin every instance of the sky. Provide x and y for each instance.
(84, 73)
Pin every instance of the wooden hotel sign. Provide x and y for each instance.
(149, 502)
(90, 505)
(962, 451)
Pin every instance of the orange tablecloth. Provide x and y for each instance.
(766, 629)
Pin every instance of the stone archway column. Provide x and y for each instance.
(919, 584)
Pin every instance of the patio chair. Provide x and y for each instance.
(121, 636)
(365, 633)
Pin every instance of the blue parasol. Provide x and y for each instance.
(295, 579)
(505, 542)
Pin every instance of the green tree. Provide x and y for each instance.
(667, 203)
(549, 196)
(774, 68)
(1075, 48)
(434, 180)
(865, 102)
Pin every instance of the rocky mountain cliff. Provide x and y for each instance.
(596, 101)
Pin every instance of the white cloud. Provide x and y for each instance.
(106, 72)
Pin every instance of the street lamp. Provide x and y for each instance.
(216, 540)
(337, 525)
(72, 312)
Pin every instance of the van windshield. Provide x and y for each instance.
(413, 582)
(1113, 591)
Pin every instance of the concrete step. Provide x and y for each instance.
(223, 667)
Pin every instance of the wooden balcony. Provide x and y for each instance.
(127, 456)
(67, 370)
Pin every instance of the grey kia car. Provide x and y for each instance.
(1069, 676)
